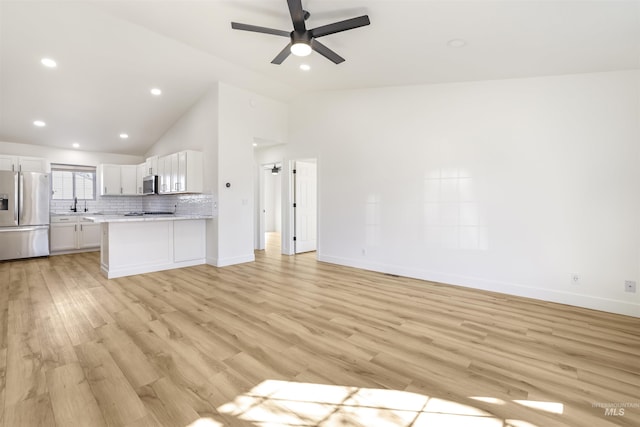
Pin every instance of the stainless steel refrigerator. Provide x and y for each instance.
(24, 214)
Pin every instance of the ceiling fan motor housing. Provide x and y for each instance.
(301, 37)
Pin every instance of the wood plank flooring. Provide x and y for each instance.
(290, 341)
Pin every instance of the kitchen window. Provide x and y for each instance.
(71, 181)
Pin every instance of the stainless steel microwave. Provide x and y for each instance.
(150, 184)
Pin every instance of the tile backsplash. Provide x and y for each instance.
(184, 204)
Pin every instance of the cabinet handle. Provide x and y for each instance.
(64, 219)
(150, 171)
(75, 227)
(105, 190)
(121, 190)
(80, 227)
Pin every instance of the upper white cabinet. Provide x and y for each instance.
(141, 172)
(7, 163)
(180, 173)
(151, 166)
(164, 175)
(109, 180)
(128, 174)
(24, 164)
(118, 180)
(177, 173)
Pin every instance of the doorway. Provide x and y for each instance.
(270, 226)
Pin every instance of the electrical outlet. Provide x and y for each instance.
(575, 279)
(629, 286)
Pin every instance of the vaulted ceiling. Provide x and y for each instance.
(109, 55)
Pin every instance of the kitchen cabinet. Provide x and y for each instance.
(128, 180)
(71, 233)
(24, 164)
(139, 246)
(62, 235)
(151, 166)
(141, 172)
(188, 240)
(88, 234)
(118, 180)
(165, 182)
(109, 180)
(181, 172)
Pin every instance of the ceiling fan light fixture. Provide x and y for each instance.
(301, 49)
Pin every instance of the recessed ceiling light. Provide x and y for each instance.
(255, 144)
(48, 62)
(124, 136)
(75, 145)
(456, 43)
(305, 67)
(156, 92)
(39, 123)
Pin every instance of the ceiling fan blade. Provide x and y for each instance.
(256, 29)
(337, 27)
(284, 54)
(297, 15)
(326, 52)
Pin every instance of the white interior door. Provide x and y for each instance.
(305, 206)
(261, 209)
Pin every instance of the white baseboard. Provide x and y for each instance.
(130, 271)
(562, 297)
(224, 262)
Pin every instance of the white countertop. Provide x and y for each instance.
(123, 218)
(71, 213)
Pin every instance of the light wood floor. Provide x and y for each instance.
(289, 341)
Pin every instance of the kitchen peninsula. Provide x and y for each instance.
(147, 243)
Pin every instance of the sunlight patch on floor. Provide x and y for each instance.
(553, 407)
(205, 422)
(283, 403)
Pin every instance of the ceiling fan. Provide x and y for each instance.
(303, 41)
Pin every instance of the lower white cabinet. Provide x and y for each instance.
(63, 232)
(88, 235)
(137, 247)
(72, 233)
(188, 240)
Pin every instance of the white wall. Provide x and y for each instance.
(73, 157)
(243, 117)
(195, 130)
(506, 185)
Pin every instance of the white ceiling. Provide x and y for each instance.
(110, 53)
